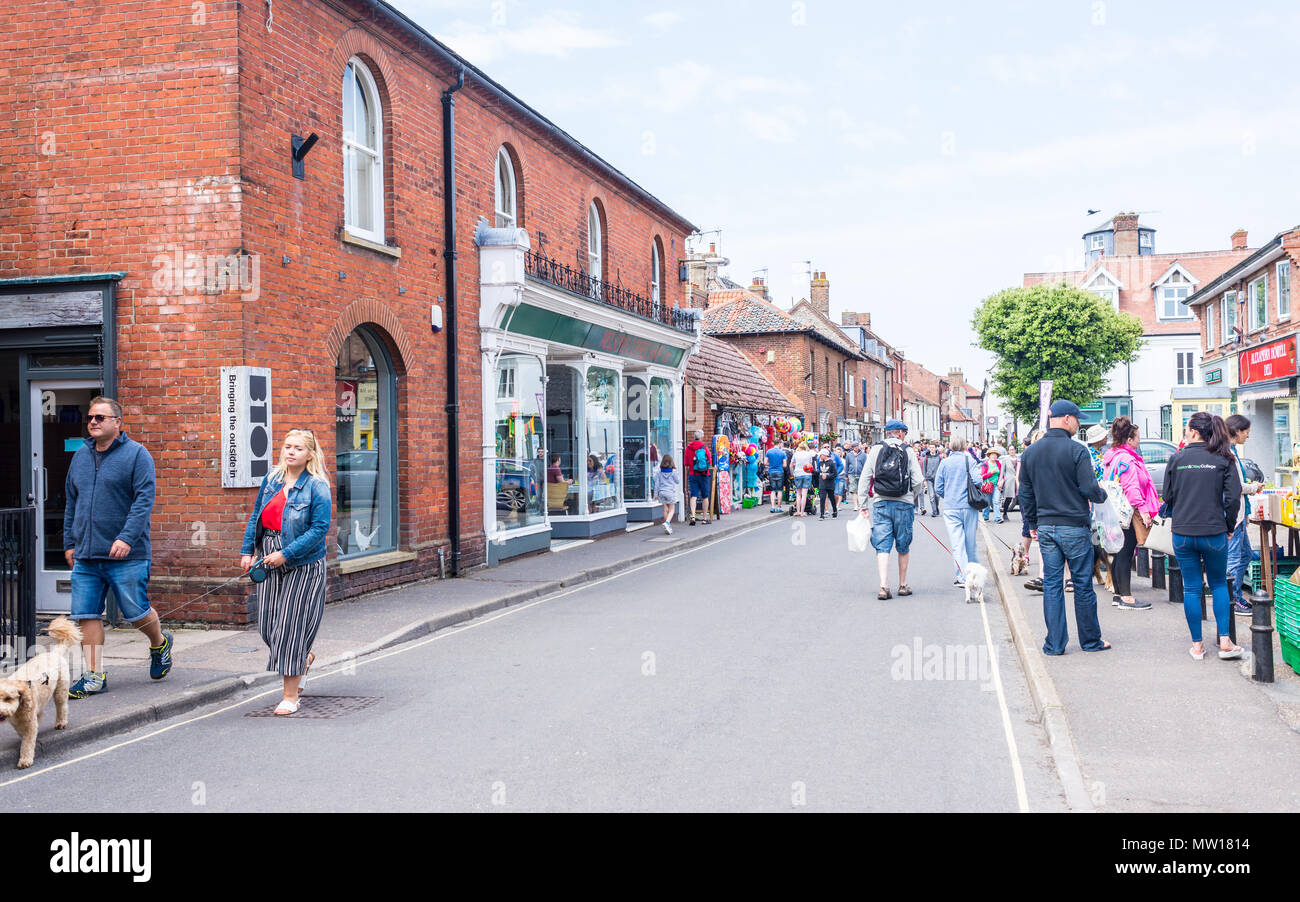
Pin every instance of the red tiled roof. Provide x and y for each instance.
(805, 313)
(748, 314)
(726, 377)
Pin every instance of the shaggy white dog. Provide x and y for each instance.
(976, 575)
(25, 693)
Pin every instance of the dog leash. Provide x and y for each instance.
(256, 564)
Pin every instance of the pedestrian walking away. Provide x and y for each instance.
(1202, 494)
(699, 469)
(887, 484)
(952, 480)
(776, 462)
(803, 467)
(668, 489)
(110, 494)
(1239, 552)
(1057, 483)
(287, 530)
(1124, 463)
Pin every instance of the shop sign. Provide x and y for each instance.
(1275, 360)
(245, 426)
(345, 401)
(1213, 377)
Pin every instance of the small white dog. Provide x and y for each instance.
(25, 693)
(976, 574)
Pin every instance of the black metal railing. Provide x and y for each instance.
(575, 281)
(18, 565)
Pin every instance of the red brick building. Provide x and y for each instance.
(205, 201)
(801, 351)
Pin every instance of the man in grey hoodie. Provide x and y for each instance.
(110, 490)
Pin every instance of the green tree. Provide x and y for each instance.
(1056, 332)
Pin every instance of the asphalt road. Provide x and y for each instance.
(759, 673)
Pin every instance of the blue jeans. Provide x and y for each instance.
(91, 581)
(1238, 562)
(995, 505)
(1212, 552)
(1058, 545)
(962, 523)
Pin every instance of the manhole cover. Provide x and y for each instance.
(323, 707)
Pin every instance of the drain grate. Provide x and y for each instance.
(324, 707)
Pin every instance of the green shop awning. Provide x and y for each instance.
(544, 324)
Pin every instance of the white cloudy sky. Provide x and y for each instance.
(923, 155)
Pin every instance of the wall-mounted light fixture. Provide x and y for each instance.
(300, 148)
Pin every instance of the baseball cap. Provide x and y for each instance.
(1065, 409)
(894, 425)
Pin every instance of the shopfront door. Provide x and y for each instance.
(57, 422)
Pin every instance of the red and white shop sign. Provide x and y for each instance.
(1275, 360)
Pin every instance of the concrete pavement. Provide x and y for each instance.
(759, 673)
(1154, 729)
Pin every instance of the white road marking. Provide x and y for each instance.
(1022, 797)
(351, 666)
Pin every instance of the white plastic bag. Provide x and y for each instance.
(1107, 528)
(859, 531)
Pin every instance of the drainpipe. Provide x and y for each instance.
(453, 374)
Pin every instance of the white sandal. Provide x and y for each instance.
(287, 707)
(1231, 654)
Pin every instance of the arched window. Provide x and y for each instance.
(595, 239)
(506, 194)
(363, 154)
(656, 271)
(365, 446)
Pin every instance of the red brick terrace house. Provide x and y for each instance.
(727, 393)
(233, 216)
(801, 351)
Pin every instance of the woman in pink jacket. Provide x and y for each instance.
(1123, 462)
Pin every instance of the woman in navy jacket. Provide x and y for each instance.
(290, 522)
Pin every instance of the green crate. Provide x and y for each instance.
(1285, 567)
(1287, 595)
(1291, 654)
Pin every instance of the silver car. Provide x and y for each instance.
(1156, 452)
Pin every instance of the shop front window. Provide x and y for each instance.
(604, 471)
(563, 462)
(365, 463)
(519, 438)
(636, 442)
(661, 425)
(1282, 433)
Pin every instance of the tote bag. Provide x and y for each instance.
(1161, 536)
(974, 496)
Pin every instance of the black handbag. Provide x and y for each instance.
(974, 497)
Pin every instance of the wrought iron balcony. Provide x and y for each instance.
(577, 282)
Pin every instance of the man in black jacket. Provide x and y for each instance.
(1056, 484)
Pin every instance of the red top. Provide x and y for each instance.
(273, 513)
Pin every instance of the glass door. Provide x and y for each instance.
(58, 429)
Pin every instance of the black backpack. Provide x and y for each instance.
(893, 476)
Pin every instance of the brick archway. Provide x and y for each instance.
(364, 311)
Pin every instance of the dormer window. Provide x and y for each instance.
(1174, 287)
(1105, 286)
(1145, 239)
(1098, 243)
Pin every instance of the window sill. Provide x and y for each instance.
(375, 561)
(388, 251)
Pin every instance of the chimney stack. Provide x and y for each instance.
(759, 287)
(1239, 240)
(849, 318)
(820, 294)
(1126, 234)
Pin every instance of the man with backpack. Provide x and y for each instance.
(699, 467)
(888, 483)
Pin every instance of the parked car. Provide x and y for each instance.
(1156, 452)
(516, 484)
(358, 477)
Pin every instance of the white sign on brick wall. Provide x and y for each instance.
(246, 452)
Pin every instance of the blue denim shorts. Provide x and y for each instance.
(91, 581)
(699, 485)
(891, 524)
(803, 481)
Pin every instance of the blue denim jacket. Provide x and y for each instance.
(307, 515)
